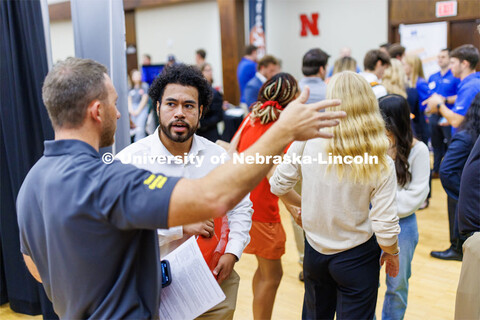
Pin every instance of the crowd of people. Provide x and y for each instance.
(350, 219)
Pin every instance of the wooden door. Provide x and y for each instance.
(131, 39)
(464, 32)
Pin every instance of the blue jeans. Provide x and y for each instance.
(396, 296)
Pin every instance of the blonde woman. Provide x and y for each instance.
(417, 92)
(416, 78)
(349, 211)
(394, 78)
(344, 64)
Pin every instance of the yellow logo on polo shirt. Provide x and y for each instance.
(155, 181)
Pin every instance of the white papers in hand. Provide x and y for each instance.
(193, 290)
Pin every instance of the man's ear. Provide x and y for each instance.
(158, 107)
(94, 111)
(201, 112)
(322, 72)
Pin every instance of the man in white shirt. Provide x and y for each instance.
(375, 63)
(175, 150)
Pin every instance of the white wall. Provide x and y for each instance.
(61, 37)
(359, 24)
(180, 30)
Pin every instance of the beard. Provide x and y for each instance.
(108, 135)
(175, 136)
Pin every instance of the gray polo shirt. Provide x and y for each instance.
(318, 88)
(90, 228)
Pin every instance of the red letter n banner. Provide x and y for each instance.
(311, 25)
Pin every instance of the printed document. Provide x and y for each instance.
(194, 290)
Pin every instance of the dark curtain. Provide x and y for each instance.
(24, 125)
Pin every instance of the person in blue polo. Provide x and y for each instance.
(88, 228)
(247, 67)
(444, 84)
(463, 61)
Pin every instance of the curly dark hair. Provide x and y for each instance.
(186, 76)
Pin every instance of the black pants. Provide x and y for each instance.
(452, 206)
(440, 140)
(456, 239)
(345, 283)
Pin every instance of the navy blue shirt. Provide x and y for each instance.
(454, 161)
(89, 227)
(446, 85)
(252, 89)
(469, 199)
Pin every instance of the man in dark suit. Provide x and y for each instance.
(268, 66)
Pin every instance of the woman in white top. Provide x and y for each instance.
(412, 164)
(348, 210)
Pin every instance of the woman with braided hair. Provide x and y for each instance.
(267, 234)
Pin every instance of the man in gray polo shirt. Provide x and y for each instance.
(314, 66)
(314, 69)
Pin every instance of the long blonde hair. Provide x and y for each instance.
(394, 78)
(362, 131)
(417, 69)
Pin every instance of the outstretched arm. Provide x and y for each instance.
(224, 187)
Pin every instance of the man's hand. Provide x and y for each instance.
(392, 265)
(205, 229)
(296, 213)
(32, 268)
(432, 102)
(224, 267)
(304, 121)
(443, 122)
